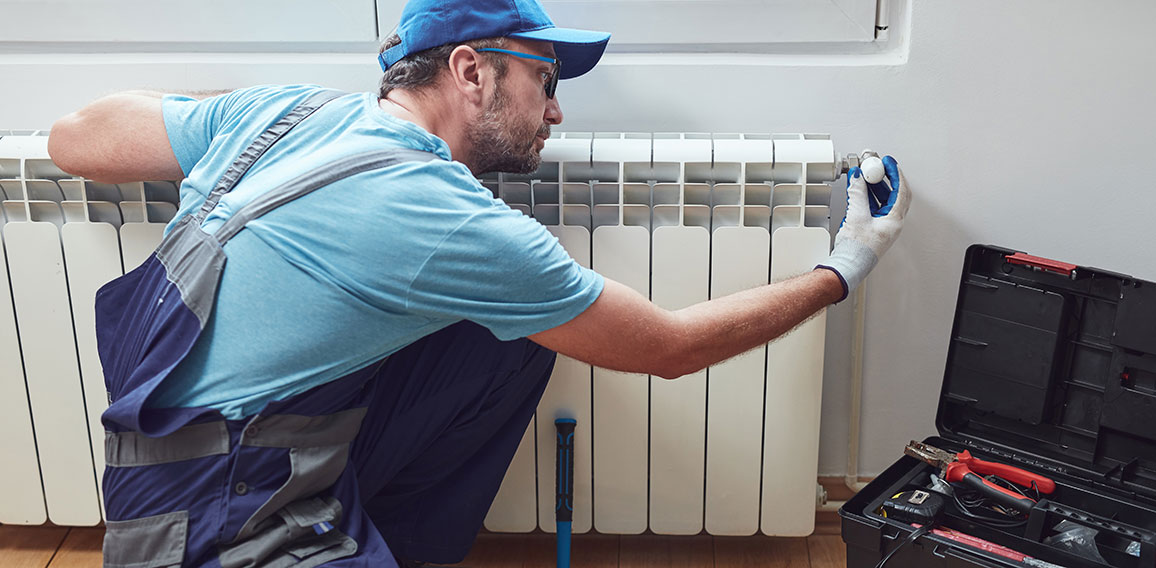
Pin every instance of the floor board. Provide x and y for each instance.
(653, 551)
(496, 551)
(826, 551)
(29, 547)
(761, 552)
(540, 551)
(595, 551)
(81, 549)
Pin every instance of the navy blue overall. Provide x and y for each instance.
(408, 451)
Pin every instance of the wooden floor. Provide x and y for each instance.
(63, 547)
(650, 551)
(60, 547)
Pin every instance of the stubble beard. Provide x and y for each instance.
(498, 145)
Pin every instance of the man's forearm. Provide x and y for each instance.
(725, 327)
(624, 331)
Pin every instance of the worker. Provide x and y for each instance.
(334, 352)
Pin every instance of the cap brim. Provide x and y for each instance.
(578, 50)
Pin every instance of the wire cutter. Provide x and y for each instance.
(964, 468)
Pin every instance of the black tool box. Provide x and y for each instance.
(1051, 369)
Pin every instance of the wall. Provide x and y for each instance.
(1024, 124)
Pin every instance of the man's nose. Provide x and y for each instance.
(553, 111)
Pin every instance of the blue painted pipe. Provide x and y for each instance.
(564, 487)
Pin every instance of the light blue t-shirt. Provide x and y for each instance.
(337, 279)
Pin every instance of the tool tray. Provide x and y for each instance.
(1052, 369)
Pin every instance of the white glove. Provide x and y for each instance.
(874, 218)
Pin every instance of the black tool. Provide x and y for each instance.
(917, 506)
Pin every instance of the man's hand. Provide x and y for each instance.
(874, 218)
(119, 138)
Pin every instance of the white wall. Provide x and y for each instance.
(1026, 124)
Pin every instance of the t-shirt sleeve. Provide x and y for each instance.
(506, 272)
(192, 124)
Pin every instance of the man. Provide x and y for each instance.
(333, 355)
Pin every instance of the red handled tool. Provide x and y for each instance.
(964, 468)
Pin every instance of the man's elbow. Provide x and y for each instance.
(676, 359)
(64, 144)
(674, 371)
(667, 348)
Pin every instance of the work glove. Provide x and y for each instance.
(874, 217)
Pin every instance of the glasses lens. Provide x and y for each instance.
(552, 84)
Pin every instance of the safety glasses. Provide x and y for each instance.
(552, 83)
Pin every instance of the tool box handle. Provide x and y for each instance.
(1041, 263)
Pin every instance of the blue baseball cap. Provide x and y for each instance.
(430, 23)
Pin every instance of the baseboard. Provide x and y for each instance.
(826, 522)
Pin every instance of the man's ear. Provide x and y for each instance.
(469, 74)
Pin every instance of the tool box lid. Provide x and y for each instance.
(1053, 365)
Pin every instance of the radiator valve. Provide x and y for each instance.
(851, 161)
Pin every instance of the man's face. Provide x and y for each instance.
(509, 134)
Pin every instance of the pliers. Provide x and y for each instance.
(964, 468)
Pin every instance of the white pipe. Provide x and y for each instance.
(851, 478)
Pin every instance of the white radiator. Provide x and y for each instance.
(680, 218)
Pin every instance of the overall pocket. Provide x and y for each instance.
(149, 542)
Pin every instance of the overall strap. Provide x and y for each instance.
(259, 146)
(310, 182)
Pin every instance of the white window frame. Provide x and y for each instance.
(355, 26)
(719, 25)
(715, 26)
